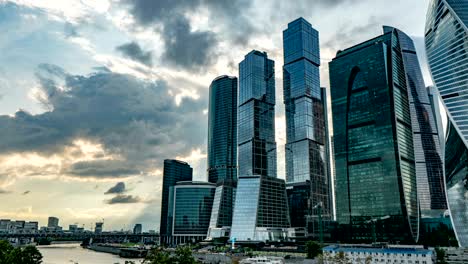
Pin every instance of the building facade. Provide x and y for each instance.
(191, 210)
(256, 116)
(222, 152)
(260, 209)
(52, 221)
(306, 150)
(427, 153)
(174, 171)
(373, 141)
(379, 254)
(222, 129)
(446, 42)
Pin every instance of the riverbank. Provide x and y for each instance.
(75, 254)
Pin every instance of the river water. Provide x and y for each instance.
(74, 253)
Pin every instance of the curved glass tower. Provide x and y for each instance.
(373, 140)
(447, 52)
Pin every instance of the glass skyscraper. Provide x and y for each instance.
(222, 129)
(305, 101)
(446, 41)
(261, 208)
(256, 116)
(191, 210)
(373, 141)
(222, 152)
(174, 171)
(427, 152)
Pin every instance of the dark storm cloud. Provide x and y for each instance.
(101, 169)
(135, 120)
(118, 188)
(183, 46)
(133, 51)
(348, 36)
(124, 199)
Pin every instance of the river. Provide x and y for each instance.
(74, 253)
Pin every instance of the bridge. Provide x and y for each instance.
(105, 237)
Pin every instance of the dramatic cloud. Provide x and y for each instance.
(124, 199)
(188, 48)
(133, 51)
(116, 189)
(135, 121)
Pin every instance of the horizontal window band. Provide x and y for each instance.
(357, 162)
(368, 123)
(360, 89)
(409, 51)
(450, 95)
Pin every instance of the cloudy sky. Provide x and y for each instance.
(95, 94)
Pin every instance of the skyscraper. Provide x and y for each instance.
(222, 129)
(446, 42)
(191, 210)
(174, 171)
(261, 208)
(427, 152)
(305, 101)
(374, 156)
(222, 152)
(52, 221)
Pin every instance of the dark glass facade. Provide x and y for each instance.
(306, 150)
(256, 116)
(373, 141)
(299, 202)
(174, 171)
(427, 152)
(222, 129)
(192, 206)
(446, 42)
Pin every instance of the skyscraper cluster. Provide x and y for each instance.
(389, 161)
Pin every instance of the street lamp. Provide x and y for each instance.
(373, 221)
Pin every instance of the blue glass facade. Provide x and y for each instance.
(446, 42)
(260, 204)
(191, 210)
(306, 134)
(256, 116)
(260, 210)
(222, 129)
(373, 141)
(427, 152)
(174, 171)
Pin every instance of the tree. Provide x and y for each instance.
(313, 249)
(183, 255)
(440, 256)
(158, 256)
(25, 255)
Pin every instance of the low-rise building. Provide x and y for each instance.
(379, 254)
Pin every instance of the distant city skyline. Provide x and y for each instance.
(85, 156)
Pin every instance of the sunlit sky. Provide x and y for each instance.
(94, 95)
